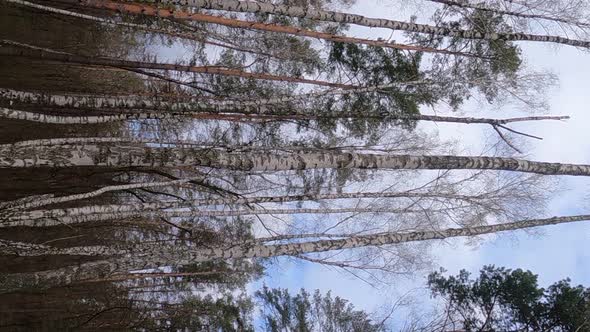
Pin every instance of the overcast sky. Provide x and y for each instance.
(558, 252)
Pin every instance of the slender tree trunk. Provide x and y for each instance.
(338, 17)
(24, 50)
(142, 9)
(137, 276)
(192, 103)
(145, 156)
(95, 214)
(198, 203)
(163, 256)
(30, 250)
(44, 200)
(245, 115)
(10, 113)
(92, 140)
(184, 103)
(193, 107)
(376, 239)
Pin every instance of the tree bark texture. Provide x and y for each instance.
(122, 155)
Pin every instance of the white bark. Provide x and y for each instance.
(122, 155)
(59, 119)
(37, 201)
(69, 140)
(197, 204)
(101, 140)
(296, 114)
(186, 103)
(29, 249)
(95, 214)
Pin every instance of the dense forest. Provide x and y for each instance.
(157, 157)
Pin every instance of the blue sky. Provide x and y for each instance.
(555, 252)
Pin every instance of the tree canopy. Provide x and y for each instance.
(501, 299)
(305, 312)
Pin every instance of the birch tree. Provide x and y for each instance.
(145, 156)
(161, 256)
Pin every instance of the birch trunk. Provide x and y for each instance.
(194, 107)
(373, 240)
(30, 250)
(163, 256)
(244, 115)
(189, 103)
(142, 9)
(76, 140)
(186, 103)
(103, 140)
(136, 276)
(122, 155)
(38, 201)
(23, 50)
(10, 113)
(86, 119)
(198, 203)
(95, 214)
(338, 17)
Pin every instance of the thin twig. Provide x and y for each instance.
(505, 139)
(520, 133)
